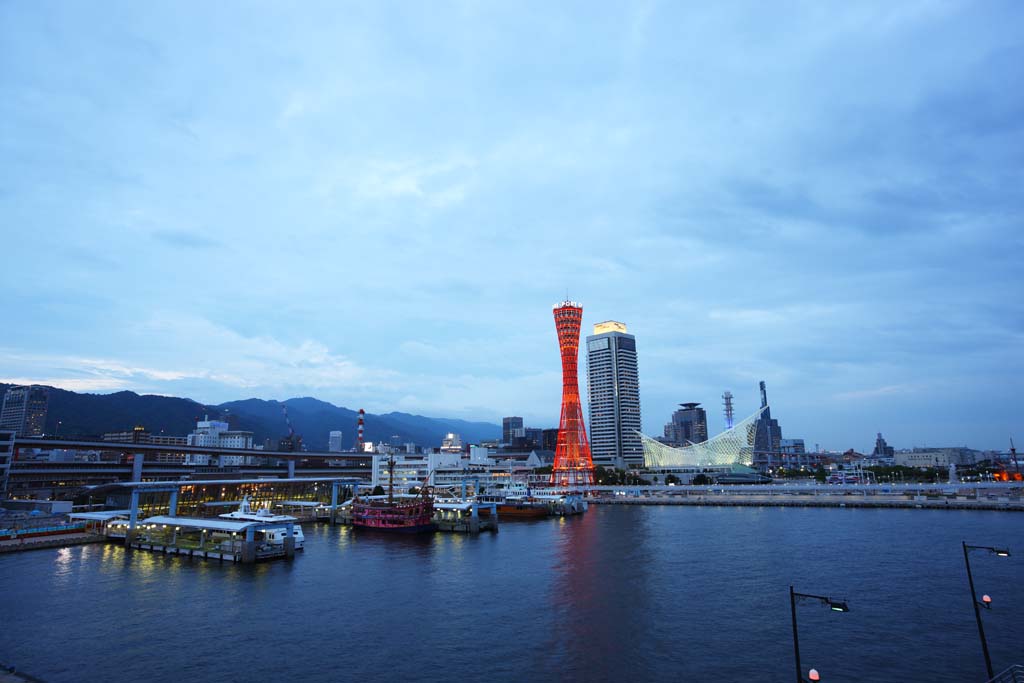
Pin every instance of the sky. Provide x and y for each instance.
(377, 204)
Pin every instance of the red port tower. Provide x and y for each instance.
(573, 464)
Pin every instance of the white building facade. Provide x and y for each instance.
(613, 397)
(334, 442)
(218, 434)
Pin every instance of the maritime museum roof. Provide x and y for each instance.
(732, 447)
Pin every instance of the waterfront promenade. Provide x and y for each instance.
(969, 496)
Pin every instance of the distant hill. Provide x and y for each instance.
(92, 415)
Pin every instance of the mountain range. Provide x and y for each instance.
(92, 415)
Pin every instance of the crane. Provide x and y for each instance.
(293, 442)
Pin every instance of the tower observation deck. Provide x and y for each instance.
(573, 464)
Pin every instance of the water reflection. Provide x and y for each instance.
(600, 596)
(618, 594)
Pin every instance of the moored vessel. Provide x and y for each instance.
(515, 501)
(272, 536)
(405, 513)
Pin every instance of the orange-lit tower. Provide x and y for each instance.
(573, 465)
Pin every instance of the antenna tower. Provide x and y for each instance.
(727, 402)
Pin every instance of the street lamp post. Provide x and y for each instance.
(986, 601)
(832, 604)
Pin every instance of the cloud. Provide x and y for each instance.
(185, 240)
(97, 384)
(877, 392)
(437, 183)
(397, 203)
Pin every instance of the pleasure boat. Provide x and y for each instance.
(272, 536)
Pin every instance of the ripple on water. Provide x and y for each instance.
(622, 593)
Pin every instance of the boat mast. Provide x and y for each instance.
(391, 480)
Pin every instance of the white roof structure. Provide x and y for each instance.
(466, 505)
(101, 515)
(209, 524)
(143, 485)
(732, 447)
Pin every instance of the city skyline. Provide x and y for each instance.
(378, 206)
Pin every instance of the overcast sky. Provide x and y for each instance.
(377, 204)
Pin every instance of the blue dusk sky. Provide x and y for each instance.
(377, 204)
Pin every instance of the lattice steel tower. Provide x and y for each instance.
(573, 464)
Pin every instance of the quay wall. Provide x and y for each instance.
(61, 541)
(840, 501)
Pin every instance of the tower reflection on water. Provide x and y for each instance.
(601, 599)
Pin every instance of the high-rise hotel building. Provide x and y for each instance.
(24, 410)
(613, 389)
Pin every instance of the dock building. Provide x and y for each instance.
(482, 468)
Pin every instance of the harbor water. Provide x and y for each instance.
(640, 593)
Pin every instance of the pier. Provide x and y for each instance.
(164, 530)
(217, 539)
(464, 517)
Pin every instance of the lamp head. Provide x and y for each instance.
(813, 675)
(986, 600)
(838, 606)
(1002, 552)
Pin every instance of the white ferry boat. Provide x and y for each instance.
(272, 536)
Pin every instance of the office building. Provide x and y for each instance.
(689, 425)
(549, 439)
(935, 457)
(792, 447)
(769, 433)
(217, 434)
(882, 449)
(24, 410)
(511, 428)
(613, 390)
(768, 437)
(451, 443)
(334, 442)
(140, 435)
(6, 455)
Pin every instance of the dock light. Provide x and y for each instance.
(986, 601)
(832, 604)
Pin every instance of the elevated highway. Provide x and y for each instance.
(131, 448)
(124, 462)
